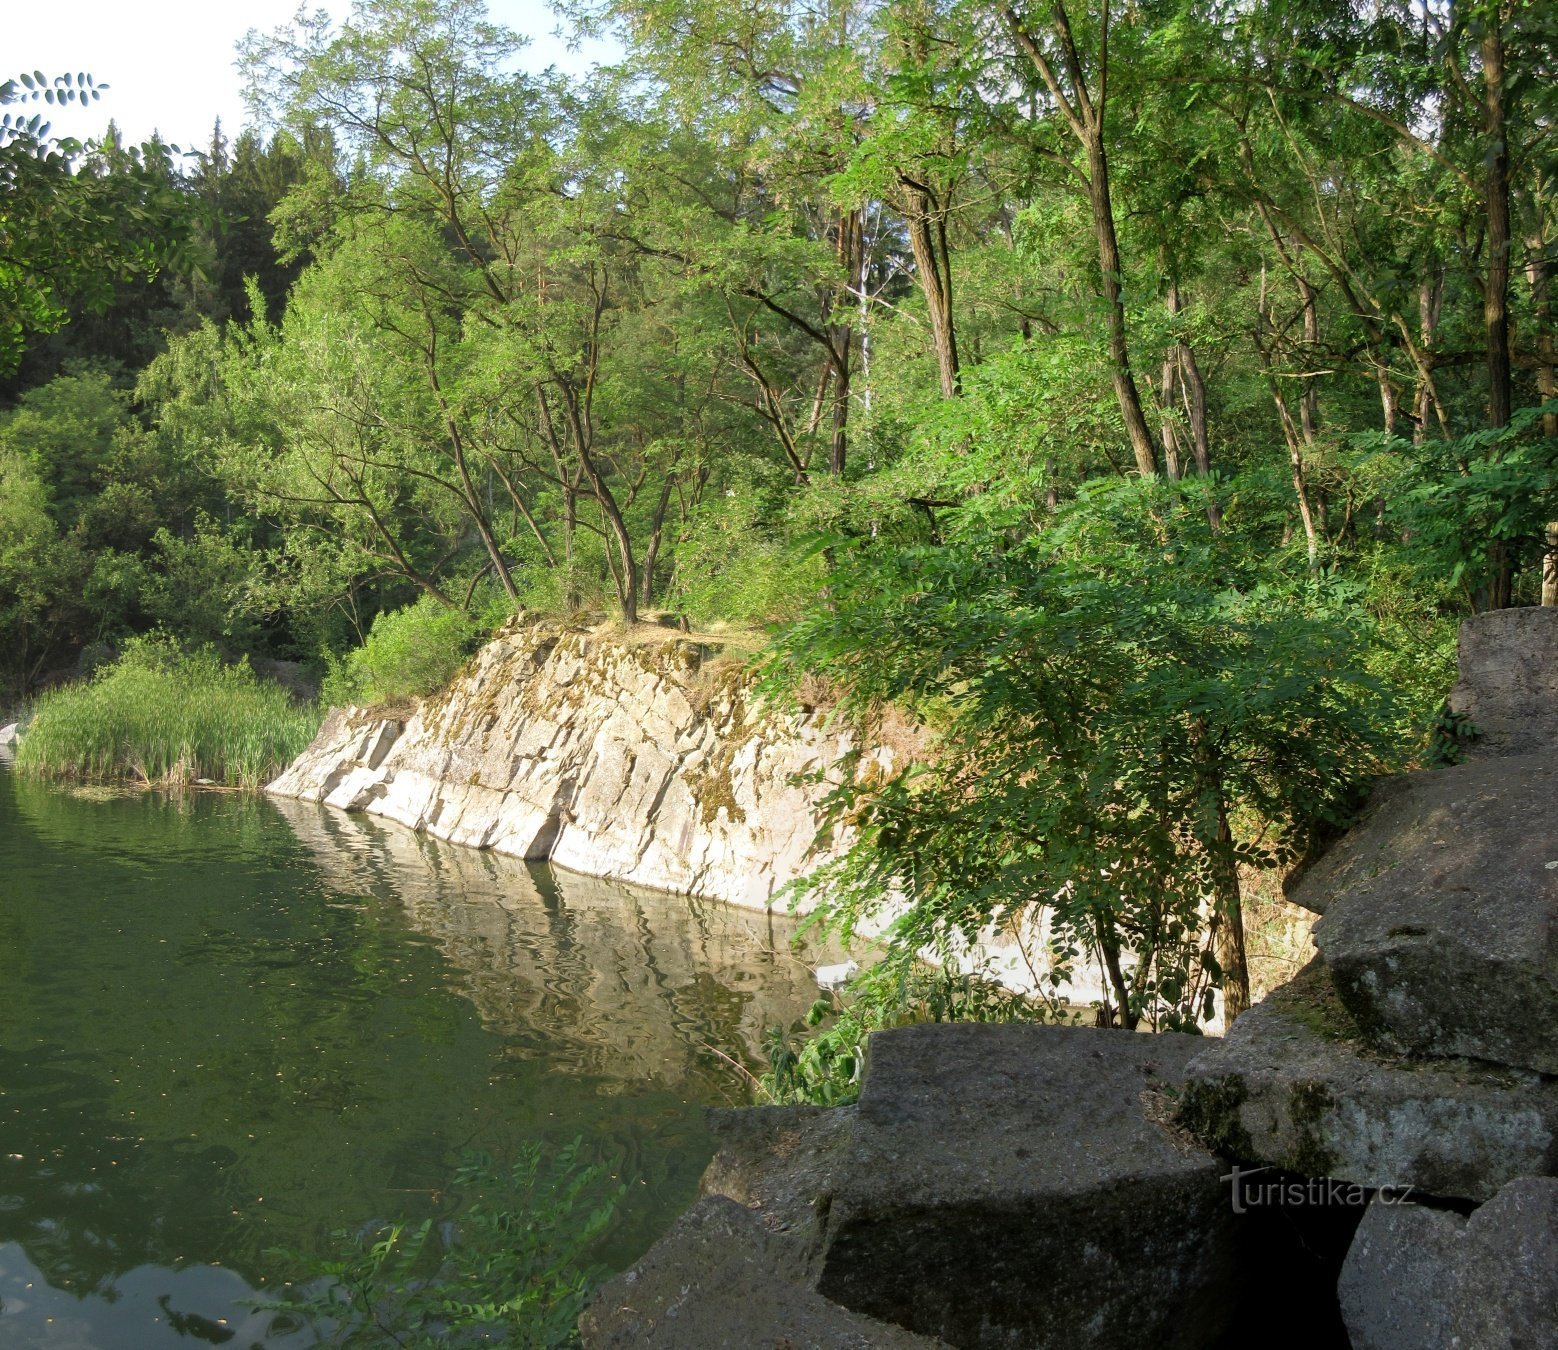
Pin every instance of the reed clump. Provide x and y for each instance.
(167, 718)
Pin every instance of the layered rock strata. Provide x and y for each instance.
(643, 759)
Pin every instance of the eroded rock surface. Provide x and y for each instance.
(643, 760)
(720, 1281)
(1417, 1278)
(1296, 1085)
(1001, 1186)
(1508, 685)
(1441, 930)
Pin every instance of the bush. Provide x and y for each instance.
(166, 717)
(409, 652)
(820, 1063)
(1127, 713)
(736, 566)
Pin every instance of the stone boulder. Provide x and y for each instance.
(1003, 1186)
(1441, 928)
(783, 1162)
(720, 1281)
(1295, 1085)
(1417, 1278)
(1508, 686)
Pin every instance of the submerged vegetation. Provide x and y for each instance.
(514, 1270)
(167, 718)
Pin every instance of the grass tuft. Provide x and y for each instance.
(167, 718)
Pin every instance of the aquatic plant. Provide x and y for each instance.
(512, 1271)
(166, 717)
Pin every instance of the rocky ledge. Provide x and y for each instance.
(1001, 1186)
(1004, 1186)
(641, 757)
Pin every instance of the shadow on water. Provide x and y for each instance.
(233, 1025)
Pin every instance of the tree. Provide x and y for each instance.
(68, 232)
(1125, 715)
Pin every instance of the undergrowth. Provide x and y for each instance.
(411, 651)
(819, 1060)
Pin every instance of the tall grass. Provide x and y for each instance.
(165, 717)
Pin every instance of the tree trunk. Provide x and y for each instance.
(617, 531)
(1546, 383)
(1227, 902)
(1084, 113)
(652, 549)
(1166, 414)
(1495, 297)
(1195, 410)
(849, 248)
(1309, 407)
(933, 270)
(1126, 394)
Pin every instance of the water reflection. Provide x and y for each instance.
(601, 979)
(231, 1027)
(145, 1306)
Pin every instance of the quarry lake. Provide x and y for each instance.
(230, 1025)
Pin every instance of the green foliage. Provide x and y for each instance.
(162, 716)
(71, 235)
(512, 1271)
(739, 564)
(820, 1062)
(1109, 695)
(1491, 489)
(409, 652)
(40, 571)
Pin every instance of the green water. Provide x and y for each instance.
(229, 1025)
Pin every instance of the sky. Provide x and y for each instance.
(170, 66)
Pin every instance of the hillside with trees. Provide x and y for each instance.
(1139, 394)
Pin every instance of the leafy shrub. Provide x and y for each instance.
(736, 566)
(823, 1068)
(513, 1271)
(1114, 697)
(409, 652)
(165, 716)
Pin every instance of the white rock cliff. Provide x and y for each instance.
(634, 757)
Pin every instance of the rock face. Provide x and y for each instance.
(716, 1282)
(1420, 1049)
(1420, 1279)
(1508, 684)
(1443, 934)
(998, 1186)
(1295, 1085)
(640, 756)
(1003, 1186)
(639, 760)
